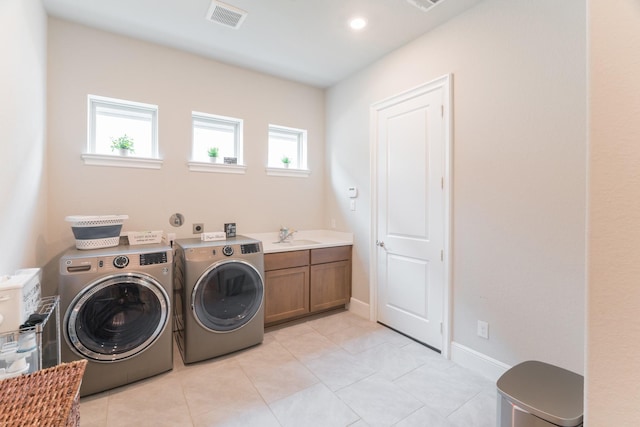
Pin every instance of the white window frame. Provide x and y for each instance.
(124, 108)
(213, 120)
(301, 136)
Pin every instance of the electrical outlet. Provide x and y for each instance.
(198, 228)
(483, 329)
(333, 223)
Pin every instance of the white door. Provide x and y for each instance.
(410, 132)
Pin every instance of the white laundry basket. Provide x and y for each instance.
(96, 231)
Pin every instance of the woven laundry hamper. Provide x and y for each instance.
(50, 397)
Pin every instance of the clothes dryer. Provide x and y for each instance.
(219, 296)
(117, 308)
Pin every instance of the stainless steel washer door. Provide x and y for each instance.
(117, 317)
(227, 296)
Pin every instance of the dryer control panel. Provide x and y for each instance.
(195, 250)
(250, 248)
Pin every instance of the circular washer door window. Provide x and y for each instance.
(117, 317)
(227, 296)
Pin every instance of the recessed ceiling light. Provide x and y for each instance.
(358, 23)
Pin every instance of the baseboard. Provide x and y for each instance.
(360, 308)
(475, 361)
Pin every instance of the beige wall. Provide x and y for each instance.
(519, 170)
(23, 210)
(86, 61)
(613, 339)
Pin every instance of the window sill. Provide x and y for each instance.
(298, 173)
(121, 161)
(216, 167)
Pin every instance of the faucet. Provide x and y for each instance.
(285, 234)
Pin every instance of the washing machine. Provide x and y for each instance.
(116, 304)
(219, 296)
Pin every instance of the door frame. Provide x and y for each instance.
(443, 82)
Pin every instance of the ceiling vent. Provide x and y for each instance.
(226, 15)
(423, 5)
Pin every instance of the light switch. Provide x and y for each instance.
(352, 204)
(483, 329)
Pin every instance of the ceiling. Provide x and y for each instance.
(308, 41)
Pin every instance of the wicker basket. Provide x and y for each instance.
(49, 397)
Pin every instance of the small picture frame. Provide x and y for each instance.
(230, 160)
(230, 228)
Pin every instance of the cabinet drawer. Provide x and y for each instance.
(280, 260)
(324, 255)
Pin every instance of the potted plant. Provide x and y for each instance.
(213, 154)
(286, 161)
(123, 144)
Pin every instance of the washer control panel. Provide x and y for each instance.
(153, 258)
(227, 250)
(116, 262)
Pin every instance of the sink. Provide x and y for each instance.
(298, 242)
(303, 242)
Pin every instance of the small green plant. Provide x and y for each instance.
(286, 160)
(213, 152)
(122, 143)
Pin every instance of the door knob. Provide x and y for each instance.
(380, 243)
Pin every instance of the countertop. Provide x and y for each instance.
(302, 239)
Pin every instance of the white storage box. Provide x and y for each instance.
(19, 297)
(96, 231)
(144, 237)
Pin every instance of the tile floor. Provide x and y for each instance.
(337, 370)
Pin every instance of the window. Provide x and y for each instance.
(287, 143)
(222, 133)
(110, 119)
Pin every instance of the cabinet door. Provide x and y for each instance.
(330, 285)
(286, 294)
